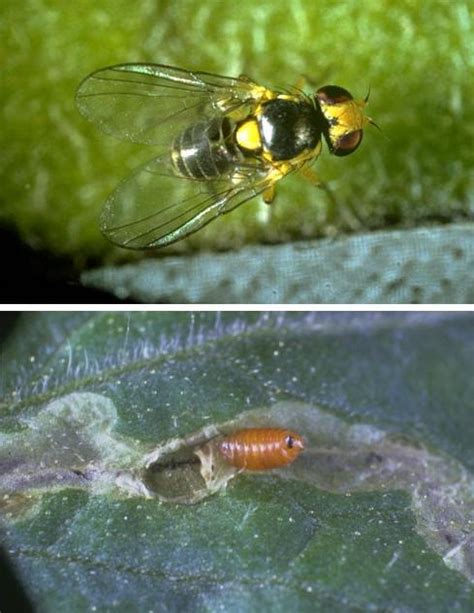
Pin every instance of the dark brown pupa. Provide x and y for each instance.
(261, 448)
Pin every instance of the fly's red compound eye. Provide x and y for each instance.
(333, 94)
(347, 144)
(342, 119)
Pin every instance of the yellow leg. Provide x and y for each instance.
(311, 175)
(304, 81)
(269, 194)
(300, 83)
(340, 211)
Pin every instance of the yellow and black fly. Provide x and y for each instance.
(220, 141)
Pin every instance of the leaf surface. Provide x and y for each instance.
(382, 497)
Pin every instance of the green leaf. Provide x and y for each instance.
(412, 266)
(415, 59)
(375, 513)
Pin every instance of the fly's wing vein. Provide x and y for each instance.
(151, 104)
(154, 207)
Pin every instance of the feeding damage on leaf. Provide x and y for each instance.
(73, 443)
(188, 470)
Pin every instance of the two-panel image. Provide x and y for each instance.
(236, 326)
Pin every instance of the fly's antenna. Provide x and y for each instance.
(369, 119)
(372, 123)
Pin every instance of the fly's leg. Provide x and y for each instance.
(265, 212)
(336, 209)
(312, 176)
(301, 83)
(269, 194)
(305, 80)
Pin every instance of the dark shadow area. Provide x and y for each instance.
(13, 598)
(31, 277)
(8, 320)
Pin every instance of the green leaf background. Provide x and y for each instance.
(375, 514)
(56, 170)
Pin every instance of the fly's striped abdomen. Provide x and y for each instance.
(225, 139)
(205, 150)
(261, 448)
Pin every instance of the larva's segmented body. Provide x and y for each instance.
(261, 448)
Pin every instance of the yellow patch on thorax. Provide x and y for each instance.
(248, 135)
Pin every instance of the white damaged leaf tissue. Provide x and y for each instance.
(79, 446)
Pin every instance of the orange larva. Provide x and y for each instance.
(261, 448)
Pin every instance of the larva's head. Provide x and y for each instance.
(293, 444)
(344, 119)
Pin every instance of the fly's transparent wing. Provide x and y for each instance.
(151, 103)
(154, 207)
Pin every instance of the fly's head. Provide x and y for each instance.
(343, 118)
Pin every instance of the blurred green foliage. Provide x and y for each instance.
(56, 170)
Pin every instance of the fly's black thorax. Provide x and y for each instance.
(205, 150)
(288, 128)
